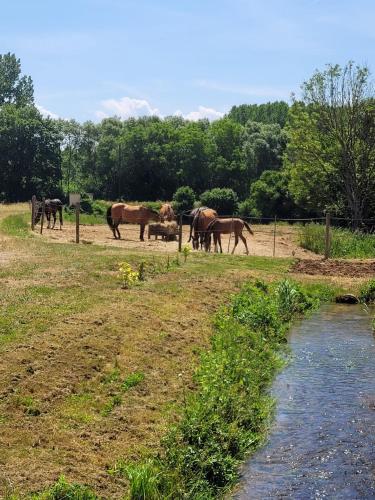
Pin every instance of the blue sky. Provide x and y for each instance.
(96, 58)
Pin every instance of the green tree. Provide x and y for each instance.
(223, 200)
(29, 154)
(14, 88)
(183, 199)
(331, 150)
(270, 112)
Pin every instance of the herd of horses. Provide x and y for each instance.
(205, 223)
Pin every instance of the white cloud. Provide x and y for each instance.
(203, 112)
(46, 113)
(126, 107)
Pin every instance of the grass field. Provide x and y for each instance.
(90, 373)
(344, 243)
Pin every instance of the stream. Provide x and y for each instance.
(322, 441)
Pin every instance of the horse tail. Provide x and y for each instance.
(248, 227)
(109, 217)
(194, 223)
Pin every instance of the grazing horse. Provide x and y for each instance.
(120, 213)
(202, 218)
(50, 208)
(227, 226)
(166, 213)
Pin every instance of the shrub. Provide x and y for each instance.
(246, 209)
(223, 200)
(62, 490)
(183, 199)
(367, 291)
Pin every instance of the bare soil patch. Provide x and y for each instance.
(260, 244)
(344, 268)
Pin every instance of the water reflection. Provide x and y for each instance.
(322, 443)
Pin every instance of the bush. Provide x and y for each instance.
(367, 291)
(223, 200)
(62, 490)
(183, 199)
(246, 209)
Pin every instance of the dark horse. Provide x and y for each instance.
(120, 213)
(50, 208)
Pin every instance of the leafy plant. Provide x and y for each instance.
(367, 291)
(127, 275)
(133, 380)
(62, 490)
(224, 200)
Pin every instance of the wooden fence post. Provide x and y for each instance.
(274, 238)
(78, 206)
(33, 203)
(43, 212)
(180, 235)
(327, 248)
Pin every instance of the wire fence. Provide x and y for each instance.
(275, 229)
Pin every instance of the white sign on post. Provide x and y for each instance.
(74, 198)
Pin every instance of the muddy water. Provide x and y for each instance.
(322, 443)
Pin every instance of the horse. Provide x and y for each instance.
(50, 208)
(227, 226)
(202, 218)
(120, 213)
(166, 213)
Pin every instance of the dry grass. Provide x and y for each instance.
(70, 336)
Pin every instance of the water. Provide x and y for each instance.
(322, 443)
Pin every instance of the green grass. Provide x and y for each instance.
(63, 490)
(344, 243)
(226, 418)
(133, 380)
(16, 225)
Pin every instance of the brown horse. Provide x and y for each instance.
(120, 213)
(227, 226)
(203, 217)
(166, 213)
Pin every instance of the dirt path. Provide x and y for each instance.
(260, 244)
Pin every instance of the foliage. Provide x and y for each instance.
(367, 291)
(186, 250)
(271, 112)
(223, 200)
(14, 88)
(62, 490)
(133, 380)
(344, 243)
(270, 196)
(331, 154)
(127, 276)
(183, 199)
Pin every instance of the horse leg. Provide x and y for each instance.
(245, 243)
(219, 240)
(54, 219)
(142, 232)
(235, 242)
(118, 232)
(48, 217)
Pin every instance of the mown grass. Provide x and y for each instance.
(227, 416)
(344, 243)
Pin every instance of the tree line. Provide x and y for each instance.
(314, 155)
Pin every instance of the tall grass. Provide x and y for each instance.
(344, 243)
(226, 418)
(16, 225)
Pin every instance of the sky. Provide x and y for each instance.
(90, 59)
